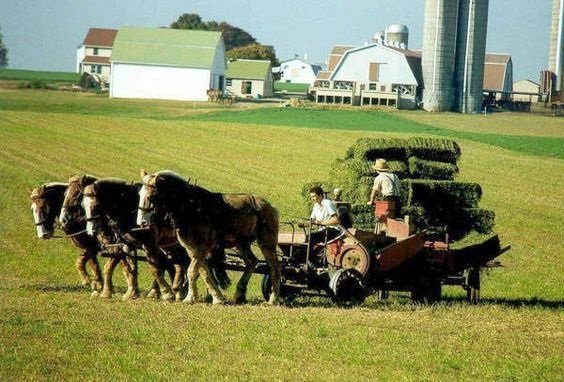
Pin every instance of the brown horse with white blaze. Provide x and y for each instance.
(206, 222)
(48, 201)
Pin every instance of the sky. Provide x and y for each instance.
(44, 34)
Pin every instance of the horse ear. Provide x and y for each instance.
(29, 190)
(144, 173)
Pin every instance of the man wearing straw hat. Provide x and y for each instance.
(386, 185)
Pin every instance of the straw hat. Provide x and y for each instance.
(381, 165)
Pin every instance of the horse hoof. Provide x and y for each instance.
(218, 301)
(106, 295)
(167, 297)
(240, 300)
(189, 300)
(94, 294)
(153, 293)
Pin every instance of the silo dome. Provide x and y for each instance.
(397, 34)
(378, 37)
(397, 28)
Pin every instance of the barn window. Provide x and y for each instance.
(228, 82)
(95, 51)
(246, 87)
(374, 71)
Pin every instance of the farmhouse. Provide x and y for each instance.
(374, 74)
(249, 78)
(167, 64)
(93, 55)
(298, 71)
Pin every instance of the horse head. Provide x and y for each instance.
(157, 195)
(46, 202)
(72, 213)
(104, 200)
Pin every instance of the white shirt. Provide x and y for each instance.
(323, 211)
(386, 184)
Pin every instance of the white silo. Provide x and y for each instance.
(556, 54)
(438, 54)
(397, 34)
(470, 55)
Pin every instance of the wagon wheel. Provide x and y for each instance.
(347, 287)
(266, 287)
(473, 285)
(356, 257)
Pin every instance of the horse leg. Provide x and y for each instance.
(80, 265)
(109, 267)
(193, 273)
(96, 280)
(272, 260)
(181, 261)
(154, 291)
(250, 263)
(213, 290)
(158, 264)
(130, 271)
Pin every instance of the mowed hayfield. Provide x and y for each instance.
(50, 328)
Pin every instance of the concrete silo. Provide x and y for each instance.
(470, 55)
(397, 35)
(438, 53)
(556, 54)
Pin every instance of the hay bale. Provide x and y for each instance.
(363, 216)
(444, 194)
(425, 169)
(441, 150)
(370, 149)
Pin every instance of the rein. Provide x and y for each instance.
(69, 235)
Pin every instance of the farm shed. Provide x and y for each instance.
(498, 75)
(245, 78)
(298, 71)
(374, 74)
(526, 91)
(169, 64)
(93, 55)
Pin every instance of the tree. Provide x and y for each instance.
(3, 53)
(189, 21)
(232, 36)
(253, 52)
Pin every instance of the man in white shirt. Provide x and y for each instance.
(325, 215)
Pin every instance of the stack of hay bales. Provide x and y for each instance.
(430, 195)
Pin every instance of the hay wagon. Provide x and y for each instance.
(358, 263)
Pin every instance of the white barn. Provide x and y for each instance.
(298, 71)
(374, 74)
(171, 64)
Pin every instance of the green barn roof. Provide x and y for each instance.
(248, 69)
(169, 47)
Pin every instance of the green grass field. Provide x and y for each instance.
(33, 75)
(290, 87)
(50, 329)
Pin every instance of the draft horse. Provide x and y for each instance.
(106, 222)
(111, 206)
(48, 202)
(208, 222)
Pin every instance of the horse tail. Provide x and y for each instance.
(218, 270)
